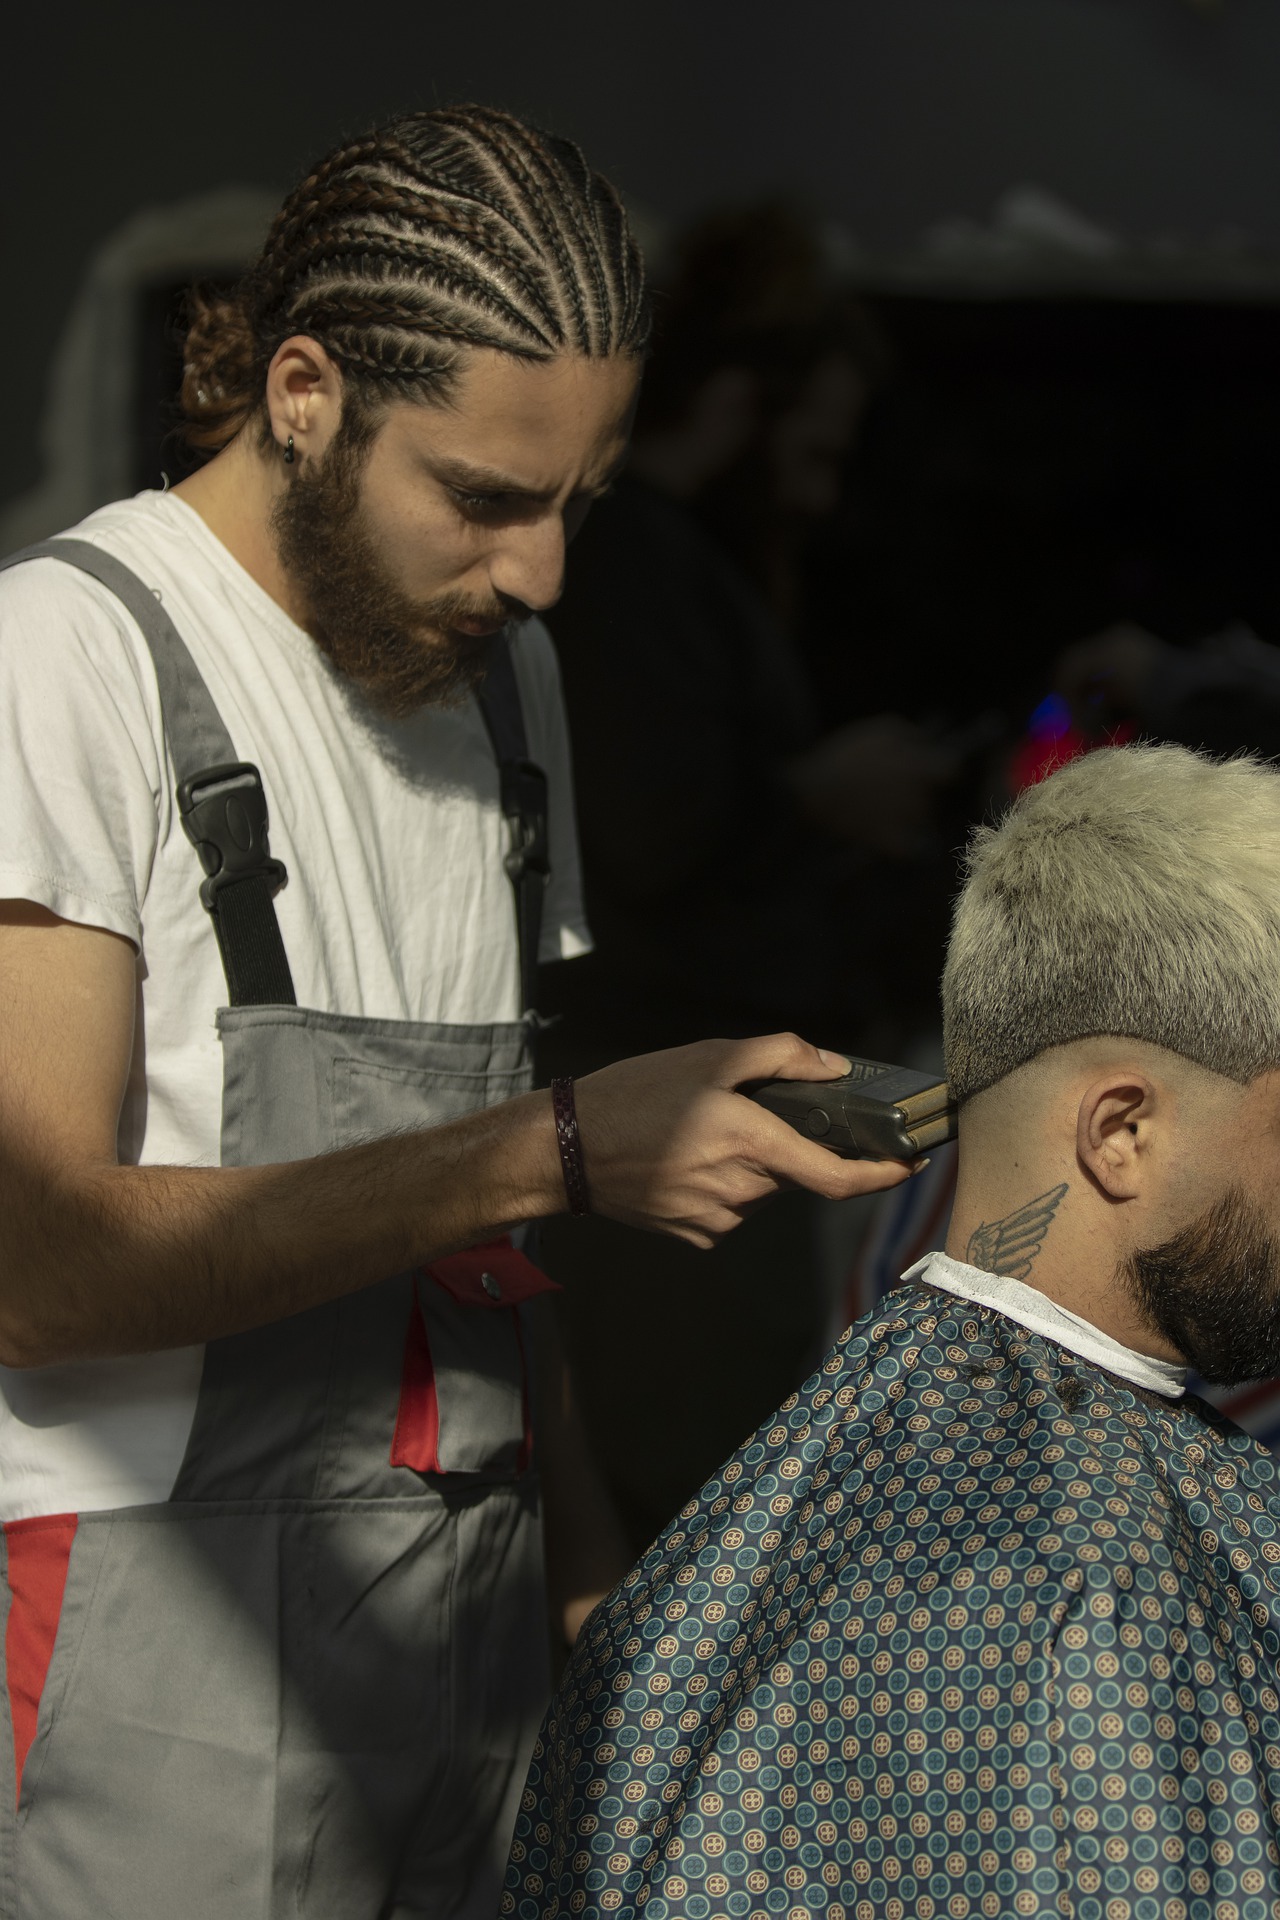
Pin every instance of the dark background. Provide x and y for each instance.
(1039, 469)
(1155, 117)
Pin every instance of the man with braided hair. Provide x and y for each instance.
(274, 1626)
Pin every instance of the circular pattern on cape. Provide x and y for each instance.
(969, 1629)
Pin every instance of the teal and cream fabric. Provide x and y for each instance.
(972, 1630)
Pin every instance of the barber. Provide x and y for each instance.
(288, 828)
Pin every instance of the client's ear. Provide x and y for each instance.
(1113, 1132)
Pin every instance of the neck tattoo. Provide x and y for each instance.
(1009, 1246)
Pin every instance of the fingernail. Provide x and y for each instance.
(835, 1060)
(920, 1165)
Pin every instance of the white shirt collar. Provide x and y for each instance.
(1035, 1310)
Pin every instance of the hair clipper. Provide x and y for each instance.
(875, 1112)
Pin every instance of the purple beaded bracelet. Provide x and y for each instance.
(570, 1144)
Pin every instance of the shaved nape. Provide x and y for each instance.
(461, 227)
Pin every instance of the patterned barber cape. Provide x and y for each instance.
(973, 1628)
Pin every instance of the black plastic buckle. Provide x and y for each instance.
(224, 815)
(524, 802)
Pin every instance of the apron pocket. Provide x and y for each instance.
(464, 1395)
(150, 1786)
(371, 1101)
(229, 1685)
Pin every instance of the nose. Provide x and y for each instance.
(529, 564)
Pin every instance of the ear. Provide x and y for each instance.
(1115, 1125)
(304, 396)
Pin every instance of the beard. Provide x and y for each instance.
(402, 653)
(1213, 1291)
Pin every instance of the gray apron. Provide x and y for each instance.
(307, 1683)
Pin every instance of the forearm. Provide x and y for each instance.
(107, 1259)
(101, 1259)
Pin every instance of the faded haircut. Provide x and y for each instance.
(1135, 892)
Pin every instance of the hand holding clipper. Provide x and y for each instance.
(874, 1112)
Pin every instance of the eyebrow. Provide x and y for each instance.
(473, 479)
(460, 473)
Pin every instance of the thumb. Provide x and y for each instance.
(780, 1056)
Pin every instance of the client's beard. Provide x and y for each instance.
(402, 653)
(1213, 1291)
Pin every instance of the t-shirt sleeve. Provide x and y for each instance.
(565, 933)
(80, 774)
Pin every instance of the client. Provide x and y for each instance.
(987, 1620)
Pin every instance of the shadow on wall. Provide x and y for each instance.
(105, 410)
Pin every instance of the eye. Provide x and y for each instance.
(477, 502)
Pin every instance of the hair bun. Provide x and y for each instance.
(218, 391)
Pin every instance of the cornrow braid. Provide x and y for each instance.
(547, 234)
(457, 228)
(337, 247)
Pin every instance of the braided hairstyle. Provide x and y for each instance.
(455, 228)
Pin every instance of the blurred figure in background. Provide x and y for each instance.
(713, 807)
(741, 864)
(1222, 695)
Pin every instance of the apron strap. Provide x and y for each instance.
(220, 799)
(524, 804)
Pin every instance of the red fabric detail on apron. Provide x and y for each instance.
(513, 1279)
(38, 1553)
(416, 1439)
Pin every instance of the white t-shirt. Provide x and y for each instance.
(397, 905)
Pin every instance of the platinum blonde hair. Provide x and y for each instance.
(1135, 892)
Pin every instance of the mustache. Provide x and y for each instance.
(449, 609)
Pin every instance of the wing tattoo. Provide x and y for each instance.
(1010, 1245)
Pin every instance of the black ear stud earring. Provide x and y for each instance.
(288, 452)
